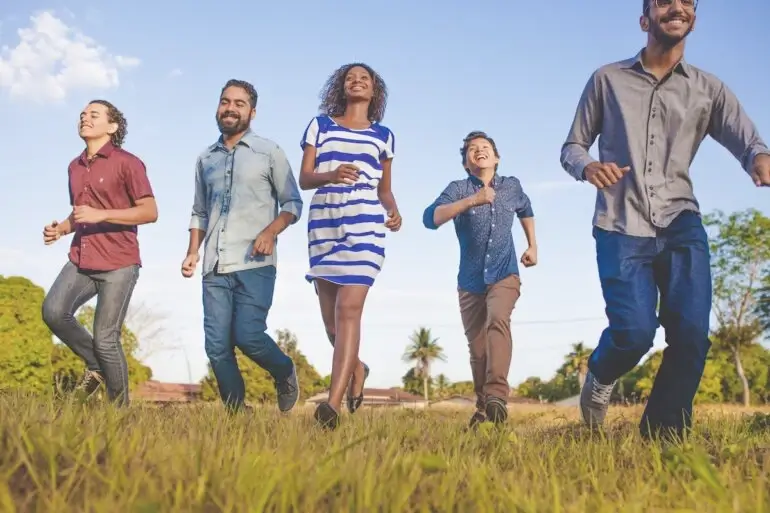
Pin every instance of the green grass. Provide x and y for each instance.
(65, 457)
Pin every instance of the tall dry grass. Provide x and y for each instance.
(66, 457)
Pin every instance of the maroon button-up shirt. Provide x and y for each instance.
(114, 180)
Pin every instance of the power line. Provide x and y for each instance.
(562, 321)
(514, 322)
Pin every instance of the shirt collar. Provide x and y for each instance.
(105, 152)
(636, 63)
(475, 181)
(248, 139)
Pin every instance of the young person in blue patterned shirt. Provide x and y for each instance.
(483, 207)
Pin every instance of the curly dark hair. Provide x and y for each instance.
(246, 86)
(115, 116)
(333, 101)
(477, 134)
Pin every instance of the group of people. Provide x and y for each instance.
(650, 113)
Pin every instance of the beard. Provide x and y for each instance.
(665, 39)
(237, 127)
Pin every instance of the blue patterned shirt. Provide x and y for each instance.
(238, 193)
(487, 252)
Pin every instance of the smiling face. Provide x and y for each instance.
(95, 123)
(481, 154)
(358, 84)
(669, 22)
(235, 111)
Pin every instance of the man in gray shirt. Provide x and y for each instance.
(651, 113)
(245, 196)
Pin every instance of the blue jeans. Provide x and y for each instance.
(632, 271)
(235, 308)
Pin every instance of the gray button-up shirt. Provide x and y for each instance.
(238, 193)
(655, 127)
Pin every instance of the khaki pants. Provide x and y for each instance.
(487, 322)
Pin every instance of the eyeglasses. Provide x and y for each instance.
(664, 4)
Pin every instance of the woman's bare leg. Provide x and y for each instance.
(327, 297)
(349, 308)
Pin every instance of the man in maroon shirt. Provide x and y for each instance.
(110, 196)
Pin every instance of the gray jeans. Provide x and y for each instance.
(102, 351)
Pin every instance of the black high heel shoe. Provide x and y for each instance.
(355, 403)
(327, 416)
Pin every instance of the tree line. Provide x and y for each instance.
(737, 370)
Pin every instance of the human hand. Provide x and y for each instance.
(51, 233)
(529, 258)
(484, 195)
(189, 264)
(88, 215)
(394, 220)
(602, 175)
(345, 173)
(263, 244)
(760, 171)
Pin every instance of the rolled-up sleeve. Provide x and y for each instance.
(200, 215)
(523, 203)
(585, 128)
(450, 194)
(731, 127)
(287, 191)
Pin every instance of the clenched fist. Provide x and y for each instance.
(485, 195)
(603, 175)
(51, 233)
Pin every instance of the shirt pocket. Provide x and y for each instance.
(252, 176)
(507, 212)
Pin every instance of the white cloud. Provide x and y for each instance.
(52, 59)
(176, 72)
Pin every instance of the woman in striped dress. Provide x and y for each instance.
(347, 156)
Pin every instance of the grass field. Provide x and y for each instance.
(65, 457)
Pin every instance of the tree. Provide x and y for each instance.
(461, 388)
(763, 304)
(423, 350)
(413, 383)
(576, 362)
(25, 341)
(442, 385)
(740, 249)
(260, 386)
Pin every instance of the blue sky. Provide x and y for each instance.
(516, 73)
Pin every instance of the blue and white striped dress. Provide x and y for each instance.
(346, 223)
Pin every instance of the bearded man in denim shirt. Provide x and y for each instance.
(483, 207)
(245, 196)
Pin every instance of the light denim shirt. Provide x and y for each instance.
(238, 193)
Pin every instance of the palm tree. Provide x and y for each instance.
(576, 361)
(423, 350)
(442, 385)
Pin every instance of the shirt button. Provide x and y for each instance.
(493, 225)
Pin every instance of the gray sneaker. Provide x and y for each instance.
(288, 390)
(594, 400)
(89, 384)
